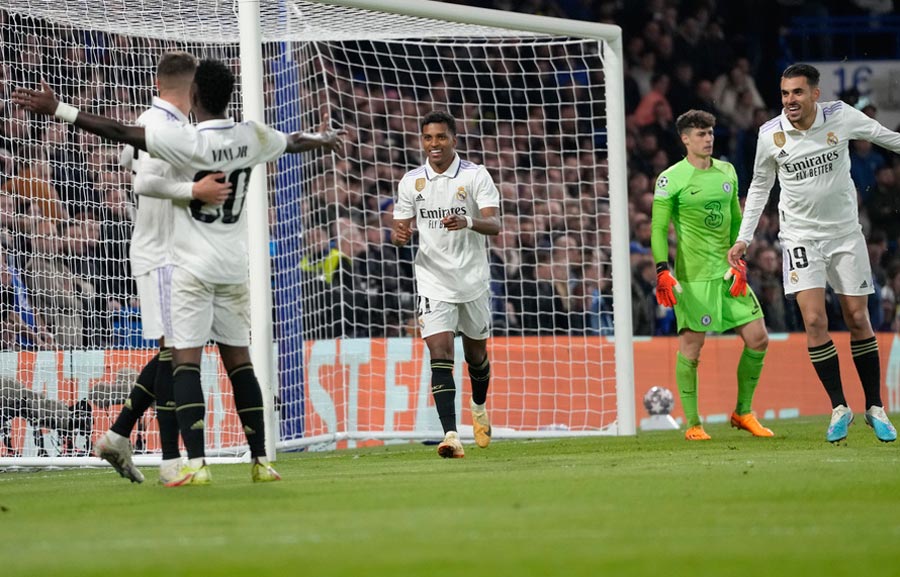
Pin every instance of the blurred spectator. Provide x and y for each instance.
(865, 162)
(54, 290)
(765, 277)
(15, 332)
(646, 112)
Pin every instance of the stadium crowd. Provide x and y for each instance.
(65, 204)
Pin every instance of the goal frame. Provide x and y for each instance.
(264, 352)
(611, 35)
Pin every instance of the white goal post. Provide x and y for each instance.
(539, 101)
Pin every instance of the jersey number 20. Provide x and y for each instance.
(227, 212)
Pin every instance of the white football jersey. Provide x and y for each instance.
(152, 235)
(818, 197)
(210, 241)
(451, 266)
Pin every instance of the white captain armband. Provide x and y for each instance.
(66, 112)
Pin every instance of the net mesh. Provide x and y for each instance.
(530, 108)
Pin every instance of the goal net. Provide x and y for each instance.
(349, 366)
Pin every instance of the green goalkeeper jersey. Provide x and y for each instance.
(704, 206)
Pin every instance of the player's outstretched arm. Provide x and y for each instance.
(326, 138)
(45, 103)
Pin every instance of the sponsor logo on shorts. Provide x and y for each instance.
(795, 278)
(864, 284)
(726, 186)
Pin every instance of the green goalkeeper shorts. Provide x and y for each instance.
(705, 306)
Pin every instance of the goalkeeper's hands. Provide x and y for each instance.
(738, 276)
(666, 286)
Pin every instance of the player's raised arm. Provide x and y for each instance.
(327, 138)
(44, 102)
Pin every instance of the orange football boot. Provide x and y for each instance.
(696, 433)
(749, 423)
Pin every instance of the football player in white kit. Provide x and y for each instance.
(806, 147)
(454, 204)
(155, 184)
(209, 247)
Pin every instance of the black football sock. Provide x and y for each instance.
(480, 377)
(249, 404)
(190, 408)
(825, 360)
(868, 366)
(139, 399)
(165, 406)
(443, 389)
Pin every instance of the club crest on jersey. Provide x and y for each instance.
(461, 193)
(831, 138)
(779, 139)
(726, 186)
(420, 184)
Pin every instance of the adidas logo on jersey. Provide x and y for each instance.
(419, 198)
(783, 154)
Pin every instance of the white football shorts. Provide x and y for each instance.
(472, 318)
(154, 290)
(205, 311)
(841, 262)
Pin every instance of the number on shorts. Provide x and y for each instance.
(797, 258)
(424, 306)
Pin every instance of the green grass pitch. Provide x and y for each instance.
(651, 505)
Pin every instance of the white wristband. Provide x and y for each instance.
(66, 113)
(468, 221)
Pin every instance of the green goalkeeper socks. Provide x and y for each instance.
(686, 378)
(748, 371)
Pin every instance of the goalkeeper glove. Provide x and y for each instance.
(666, 286)
(739, 279)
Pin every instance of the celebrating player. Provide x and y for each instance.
(454, 204)
(209, 248)
(158, 183)
(700, 194)
(821, 238)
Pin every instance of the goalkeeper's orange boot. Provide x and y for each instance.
(749, 423)
(451, 447)
(481, 426)
(696, 433)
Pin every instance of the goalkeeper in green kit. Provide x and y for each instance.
(699, 194)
